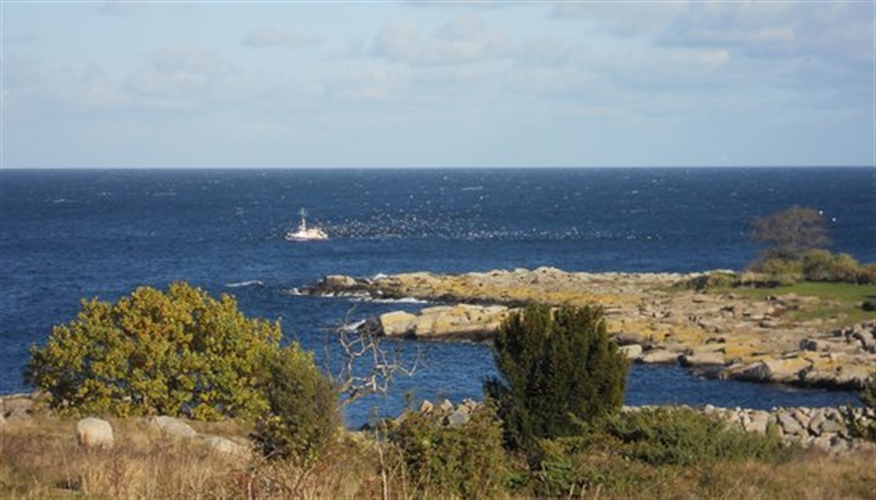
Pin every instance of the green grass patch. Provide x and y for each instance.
(838, 303)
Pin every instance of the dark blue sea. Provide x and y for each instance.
(69, 234)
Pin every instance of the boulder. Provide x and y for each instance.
(225, 445)
(697, 359)
(631, 351)
(771, 370)
(173, 427)
(462, 321)
(789, 425)
(17, 407)
(426, 407)
(758, 421)
(459, 416)
(659, 356)
(94, 433)
(397, 323)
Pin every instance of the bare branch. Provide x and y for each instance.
(367, 367)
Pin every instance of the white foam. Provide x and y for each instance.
(242, 284)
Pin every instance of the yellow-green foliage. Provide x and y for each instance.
(821, 265)
(175, 353)
(303, 418)
(439, 461)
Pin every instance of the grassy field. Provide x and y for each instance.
(39, 459)
(837, 304)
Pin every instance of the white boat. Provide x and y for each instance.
(304, 233)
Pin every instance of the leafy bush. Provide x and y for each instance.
(568, 467)
(303, 416)
(709, 281)
(559, 371)
(682, 436)
(780, 271)
(175, 353)
(866, 274)
(821, 265)
(462, 461)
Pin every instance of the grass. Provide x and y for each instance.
(39, 459)
(838, 304)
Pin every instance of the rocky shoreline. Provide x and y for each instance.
(826, 429)
(652, 318)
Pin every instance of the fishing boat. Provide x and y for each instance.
(304, 233)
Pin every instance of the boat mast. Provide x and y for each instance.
(303, 222)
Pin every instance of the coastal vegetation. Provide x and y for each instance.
(520, 443)
(793, 248)
(179, 353)
(560, 370)
(552, 424)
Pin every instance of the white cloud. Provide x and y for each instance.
(191, 60)
(278, 37)
(453, 43)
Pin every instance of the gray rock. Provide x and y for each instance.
(758, 421)
(426, 406)
(94, 433)
(459, 416)
(16, 408)
(225, 445)
(659, 356)
(631, 351)
(713, 358)
(397, 323)
(172, 427)
(790, 425)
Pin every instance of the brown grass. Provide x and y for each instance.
(39, 459)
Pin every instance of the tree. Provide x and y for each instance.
(559, 369)
(175, 353)
(303, 417)
(790, 233)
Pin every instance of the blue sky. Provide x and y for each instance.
(396, 84)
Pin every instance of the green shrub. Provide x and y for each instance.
(559, 371)
(175, 353)
(821, 265)
(568, 467)
(709, 281)
(682, 436)
(462, 461)
(303, 418)
(780, 271)
(866, 274)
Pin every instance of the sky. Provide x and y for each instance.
(437, 84)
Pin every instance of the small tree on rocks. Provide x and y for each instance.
(789, 234)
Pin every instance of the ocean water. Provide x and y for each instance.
(69, 234)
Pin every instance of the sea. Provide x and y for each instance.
(69, 234)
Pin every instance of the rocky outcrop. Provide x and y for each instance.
(823, 428)
(827, 429)
(723, 334)
(461, 321)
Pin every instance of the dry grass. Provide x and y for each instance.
(39, 459)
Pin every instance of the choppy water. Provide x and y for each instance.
(67, 234)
